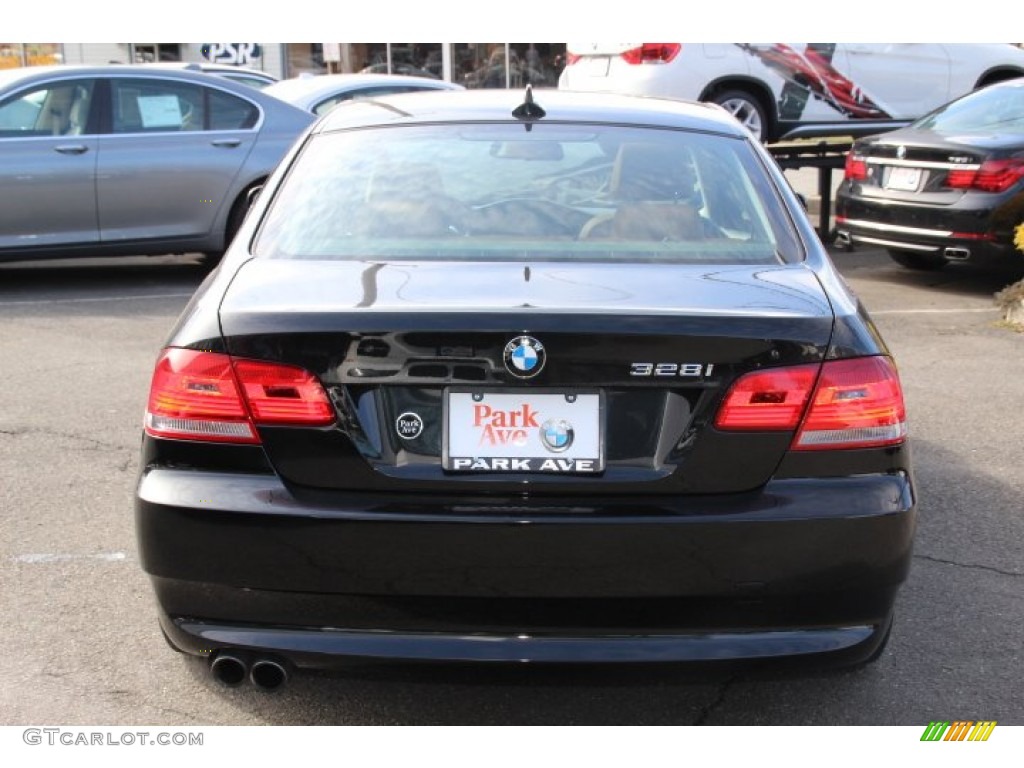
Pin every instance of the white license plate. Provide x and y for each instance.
(523, 432)
(597, 66)
(904, 179)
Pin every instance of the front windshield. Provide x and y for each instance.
(994, 110)
(554, 192)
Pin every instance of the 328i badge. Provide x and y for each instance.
(565, 380)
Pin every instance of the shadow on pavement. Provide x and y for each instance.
(22, 279)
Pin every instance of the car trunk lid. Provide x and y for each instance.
(645, 352)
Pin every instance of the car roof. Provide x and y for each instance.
(560, 106)
(314, 86)
(30, 74)
(198, 66)
(26, 76)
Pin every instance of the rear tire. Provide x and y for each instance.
(917, 261)
(747, 109)
(238, 211)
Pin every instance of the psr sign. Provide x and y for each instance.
(238, 54)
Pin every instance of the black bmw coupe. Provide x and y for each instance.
(554, 378)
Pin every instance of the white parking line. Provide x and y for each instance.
(95, 299)
(973, 310)
(109, 557)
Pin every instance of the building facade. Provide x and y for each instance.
(475, 65)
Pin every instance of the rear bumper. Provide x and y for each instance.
(806, 566)
(954, 233)
(322, 648)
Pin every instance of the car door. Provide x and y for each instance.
(48, 165)
(169, 162)
(906, 80)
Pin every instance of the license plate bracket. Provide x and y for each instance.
(523, 431)
(597, 66)
(903, 179)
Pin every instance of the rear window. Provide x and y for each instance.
(994, 110)
(550, 192)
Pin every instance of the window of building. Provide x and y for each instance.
(303, 58)
(148, 53)
(30, 54)
(479, 65)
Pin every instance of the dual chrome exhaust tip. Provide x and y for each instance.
(233, 669)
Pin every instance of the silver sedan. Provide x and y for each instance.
(131, 159)
(320, 94)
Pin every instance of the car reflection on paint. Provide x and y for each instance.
(493, 377)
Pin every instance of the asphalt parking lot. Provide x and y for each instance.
(77, 343)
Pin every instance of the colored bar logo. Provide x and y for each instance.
(960, 730)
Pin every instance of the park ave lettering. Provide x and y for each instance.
(504, 427)
(524, 465)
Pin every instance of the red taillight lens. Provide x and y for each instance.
(768, 400)
(856, 167)
(194, 396)
(857, 403)
(992, 176)
(652, 53)
(207, 396)
(571, 58)
(282, 394)
(960, 179)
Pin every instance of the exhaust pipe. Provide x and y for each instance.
(843, 240)
(268, 675)
(229, 669)
(957, 254)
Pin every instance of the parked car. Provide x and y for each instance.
(950, 187)
(254, 78)
(320, 94)
(131, 159)
(401, 68)
(776, 88)
(564, 379)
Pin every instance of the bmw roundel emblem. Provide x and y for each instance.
(556, 434)
(524, 357)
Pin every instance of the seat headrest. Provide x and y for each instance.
(651, 172)
(404, 181)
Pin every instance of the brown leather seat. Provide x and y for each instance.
(653, 187)
(406, 200)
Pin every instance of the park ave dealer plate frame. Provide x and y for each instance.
(542, 431)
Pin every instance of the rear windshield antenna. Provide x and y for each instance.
(528, 110)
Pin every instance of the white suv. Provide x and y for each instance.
(774, 88)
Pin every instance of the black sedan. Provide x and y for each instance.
(948, 188)
(484, 378)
